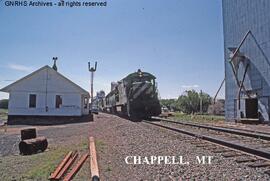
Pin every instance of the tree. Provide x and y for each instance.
(217, 108)
(169, 103)
(206, 101)
(4, 103)
(189, 102)
(101, 94)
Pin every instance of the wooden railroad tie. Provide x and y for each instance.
(70, 158)
(231, 154)
(221, 151)
(75, 169)
(67, 166)
(258, 165)
(60, 166)
(93, 160)
(202, 145)
(245, 160)
(267, 172)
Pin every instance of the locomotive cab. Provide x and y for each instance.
(142, 96)
(134, 96)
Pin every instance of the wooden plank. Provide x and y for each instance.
(67, 166)
(93, 160)
(60, 166)
(75, 169)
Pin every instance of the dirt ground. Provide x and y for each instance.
(116, 138)
(61, 140)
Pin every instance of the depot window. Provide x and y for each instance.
(85, 102)
(32, 100)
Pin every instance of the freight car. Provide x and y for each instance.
(134, 96)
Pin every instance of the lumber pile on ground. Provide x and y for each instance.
(60, 172)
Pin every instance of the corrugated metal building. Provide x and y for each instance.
(246, 25)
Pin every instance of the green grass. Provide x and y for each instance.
(3, 114)
(37, 166)
(100, 145)
(34, 167)
(46, 164)
(83, 145)
(198, 117)
(108, 169)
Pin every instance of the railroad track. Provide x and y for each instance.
(219, 126)
(234, 143)
(237, 131)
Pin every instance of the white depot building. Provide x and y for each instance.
(46, 97)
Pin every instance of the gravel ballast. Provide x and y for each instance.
(121, 138)
(118, 138)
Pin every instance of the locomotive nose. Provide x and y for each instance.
(142, 88)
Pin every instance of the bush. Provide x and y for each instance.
(4, 103)
(169, 103)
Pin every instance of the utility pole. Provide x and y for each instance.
(92, 70)
(201, 111)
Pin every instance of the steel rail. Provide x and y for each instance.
(243, 148)
(221, 129)
(245, 130)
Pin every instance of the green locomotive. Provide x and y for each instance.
(135, 96)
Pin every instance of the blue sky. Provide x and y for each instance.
(179, 41)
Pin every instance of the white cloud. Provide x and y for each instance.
(190, 86)
(19, 67)
(168, 96)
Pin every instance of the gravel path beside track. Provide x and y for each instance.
(116, 138)
(121, 138)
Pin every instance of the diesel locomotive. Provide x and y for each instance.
(135, 96)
